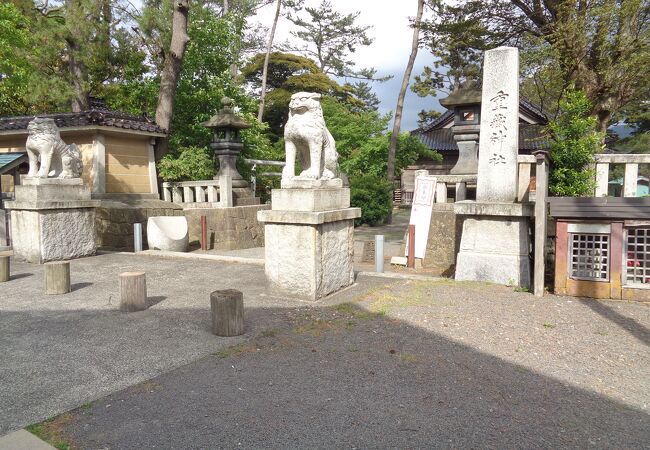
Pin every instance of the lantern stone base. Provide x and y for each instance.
(309, 254)
(495, 243)
(52, 219)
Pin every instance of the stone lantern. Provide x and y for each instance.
(465, 101)
(226, 143)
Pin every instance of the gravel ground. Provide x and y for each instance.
(60, 351)
(403, 365)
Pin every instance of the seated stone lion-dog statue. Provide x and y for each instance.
(307, 137)
(44, 145)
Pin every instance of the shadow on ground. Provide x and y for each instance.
(627, 323)
(334, 377)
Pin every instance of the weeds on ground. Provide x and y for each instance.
(51, 431)
(235, 350)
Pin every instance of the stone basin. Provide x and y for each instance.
(168, 233)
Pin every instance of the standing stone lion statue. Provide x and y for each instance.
(57, 159)
(307, 137)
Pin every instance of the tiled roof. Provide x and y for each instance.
(92, 117)
(8, 160)
(449, 114)
(442, 139)
(533, 109)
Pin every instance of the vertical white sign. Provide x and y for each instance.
(423, 197)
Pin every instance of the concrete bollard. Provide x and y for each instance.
(227, 309)
(57, 277)
(137, 237)
(133, 291)
(379, 253)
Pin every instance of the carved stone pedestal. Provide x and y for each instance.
(52, 219)
(495, 243)
(309, 241)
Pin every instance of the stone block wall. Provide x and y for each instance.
(444, 240)
(114, 220)
(228, 228)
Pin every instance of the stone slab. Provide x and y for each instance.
(495, 249)
(309, 261)
(307, 183)
(228, 228)
(470, 207)
(51, 192)
(443, 241)
(36, 181)
(45, 205)
(23, 440)
(310, 199)
(308, 218)
(53, 235)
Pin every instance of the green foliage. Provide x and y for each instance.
(15, 70)
(373, 194)
(287, 74)
(602, 47)
(330, 37)
(575, 141)
(425, 117)
(362, 140)
(362, 143)
(186, 164)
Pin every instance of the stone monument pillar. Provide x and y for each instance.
(52, 218)
(495, 243)
(309, 232)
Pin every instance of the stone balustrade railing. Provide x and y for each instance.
(630, 181)
(202, 193)
(458, 184)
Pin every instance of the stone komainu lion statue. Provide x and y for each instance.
(57, 159)
(307, 136)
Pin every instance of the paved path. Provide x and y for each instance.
(404, 364)
(59, 352)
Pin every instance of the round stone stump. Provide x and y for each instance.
(57, 277)
(133, 291)
(4, 269)
(227, 308)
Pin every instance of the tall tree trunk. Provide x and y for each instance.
(78, 78)
(171, 70)
(265, 69)
(76, 66)
(397, 124)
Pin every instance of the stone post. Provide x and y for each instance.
(133, 291)
(499, 137)
(57, 277)
(227, 310)
(309, 238)
(541, 219)
(5, 271)
(495, 246)
(225, 191)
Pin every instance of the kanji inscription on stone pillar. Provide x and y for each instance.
(499, 140)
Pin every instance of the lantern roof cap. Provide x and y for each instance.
(226, 117)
